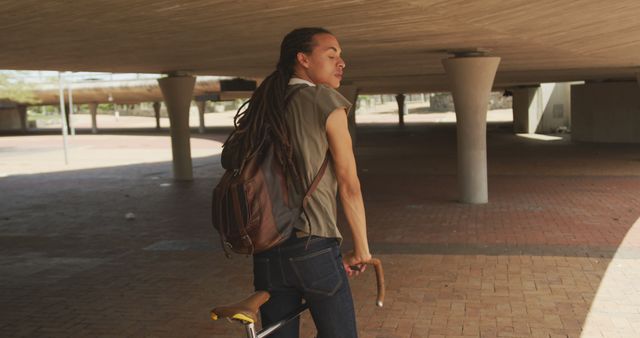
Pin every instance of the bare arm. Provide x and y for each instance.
(348, 184)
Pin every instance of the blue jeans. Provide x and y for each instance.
(290, 273)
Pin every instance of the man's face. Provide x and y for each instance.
(324, 65)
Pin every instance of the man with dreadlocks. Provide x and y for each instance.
(306, 126)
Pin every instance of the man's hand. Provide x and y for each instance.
(354, 264)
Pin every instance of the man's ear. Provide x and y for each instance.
(303, 59)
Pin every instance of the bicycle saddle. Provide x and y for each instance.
(245, 311)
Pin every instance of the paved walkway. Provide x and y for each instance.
(556, 252)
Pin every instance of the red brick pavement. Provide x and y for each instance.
(554, 254)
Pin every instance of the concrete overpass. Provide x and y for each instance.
(132, 91)
(390, 47)
(206, 88)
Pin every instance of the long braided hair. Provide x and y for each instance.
(263, 120)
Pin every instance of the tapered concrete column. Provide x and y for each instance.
(350, 92)
(177, 92)
(22, 111)
(202, 106)
(93, 109)
(400, 98)
(471, 79)
(156, 108)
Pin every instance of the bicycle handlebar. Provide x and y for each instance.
(377, 265)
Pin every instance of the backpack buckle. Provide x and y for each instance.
(226, 246)
(247, 241)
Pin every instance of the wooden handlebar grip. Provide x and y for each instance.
(377, 265)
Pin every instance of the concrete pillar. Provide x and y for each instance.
(402, 108)
(93, 109)
(156, 108)
(10, 118)
(202, 106)
(545, 108)
(525, 109)
(22, 112)
(471, 79)
(350, 92)
(177, 92)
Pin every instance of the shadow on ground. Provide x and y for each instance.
(532, 262)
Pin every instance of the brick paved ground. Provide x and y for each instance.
(556, 252)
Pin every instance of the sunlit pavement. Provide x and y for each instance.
(556, 252)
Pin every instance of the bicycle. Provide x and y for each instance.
(246, 311)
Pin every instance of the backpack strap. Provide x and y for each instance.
(316, 180)
(312, 188)
(217, 214)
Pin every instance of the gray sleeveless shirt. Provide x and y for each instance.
(306, 117)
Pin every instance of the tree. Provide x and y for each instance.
(16, 91)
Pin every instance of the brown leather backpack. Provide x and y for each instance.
(251, 207)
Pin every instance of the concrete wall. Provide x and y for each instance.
(542, 109)
(556, 103)
(606, 112)
(10, 119)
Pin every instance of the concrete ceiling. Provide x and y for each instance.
(389, 46)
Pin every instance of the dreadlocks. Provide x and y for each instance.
(263, 119)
